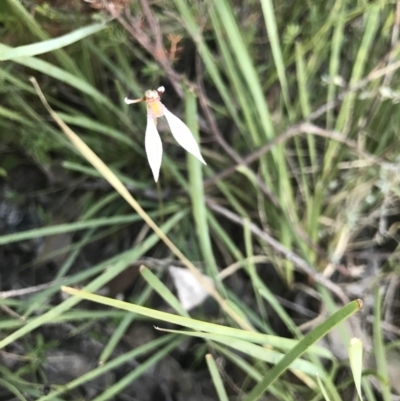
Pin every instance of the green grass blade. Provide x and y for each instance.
(74, 316)
(68, 227)
(302, 346)
(224, 237)
(273, 36)
(64, 306)
(280, 311)
(197, 192)
(334, 61)
(379, 347)
(251, 371)
(301, 73)
(50, 44)
(216, 378)
(69, 79)
(121, 329)
(323, 389)
(158, 286)
(107, 131)
(197, 325)
(252, 272)
(250, 313)
(246, 66)
(115, 363)
(13, 115)
(239, 361)
(368, 391)
(206, 56)
(142, 368)
(12, 389)
(236, 81)
(27, 18)
(255, 351)
(346, 109)
(371, 26)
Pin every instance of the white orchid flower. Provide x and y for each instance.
(179, 129)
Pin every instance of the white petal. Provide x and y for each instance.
(182, 134)
(153, 147)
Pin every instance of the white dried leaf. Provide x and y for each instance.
(190, 292)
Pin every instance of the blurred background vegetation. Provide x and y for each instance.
(295, 105)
